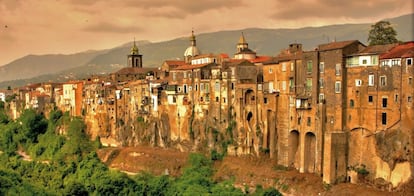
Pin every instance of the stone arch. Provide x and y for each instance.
(249, 96)
(310, 152)
(294, 149)
(249, 116)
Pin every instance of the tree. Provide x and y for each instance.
(382, 33)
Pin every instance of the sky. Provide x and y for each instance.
(70, 26)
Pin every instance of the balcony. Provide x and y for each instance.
(303, 104)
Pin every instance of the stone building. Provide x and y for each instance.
(72, 98)
(379, 112)
(336, 110)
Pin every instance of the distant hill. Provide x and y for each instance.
(35, 65)
(263, 41)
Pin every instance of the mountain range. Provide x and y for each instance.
(60, 67)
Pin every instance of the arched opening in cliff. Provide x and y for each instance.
(310, 152)
(294, 149)
(249, 116)
(249, 97)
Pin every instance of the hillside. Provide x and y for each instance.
(263, 41)
(244, 171)
(35, 65)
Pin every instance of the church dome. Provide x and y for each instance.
(192, 51)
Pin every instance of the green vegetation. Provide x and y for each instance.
(67, 164)
(360, 169)
(382, 33)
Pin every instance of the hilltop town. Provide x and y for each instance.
(343, 110)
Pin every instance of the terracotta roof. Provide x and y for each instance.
(377, 49)
(204, 55)
(404, 50)
(224, 55)
(188, 67)
(174, 62)
(135, 70)
(336, 45)
(260, 59)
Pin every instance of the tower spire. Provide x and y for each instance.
(134, 49)
(192, 38)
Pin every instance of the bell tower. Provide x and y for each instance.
(134, 58)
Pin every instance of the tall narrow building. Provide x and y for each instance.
(134, 58)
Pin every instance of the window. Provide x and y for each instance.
(358, 82)
(299, 119)
(384, 118)
(364, 61)
(292, 66)
(217, 86)
(206, 88)
(396, 98)
(291, 84)
(338, 69)
(321, 67)
(224, 100)
(321, 98)
(371, 81)
(232, 86)
(383, 80)
(174, 76)
(309, 121)
(409, 61)
(185, 88)
(265, 100)
(196, 87)
(283, 85)
(174, 100)
(370, 98)
(309, 67)
(207, 98)
(384, 102)
(351, 103)
(337, 87)
(321, 83)
(270, 70)
(395, 62)
(410, 80)
(409, 99)
(283, 66)
(217, 99)
(185, 74)
(309, 84)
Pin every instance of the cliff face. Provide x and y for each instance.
(383, 158)
(185, 133)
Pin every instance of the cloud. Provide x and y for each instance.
(82, 2)
(351, 9)
(181, 8)
(106, 27)
(10, 5)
